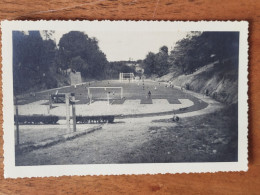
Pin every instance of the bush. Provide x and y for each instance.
(37, 119)
(95, 119)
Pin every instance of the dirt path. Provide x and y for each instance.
(104, 146)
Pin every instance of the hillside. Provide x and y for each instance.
(219, 79)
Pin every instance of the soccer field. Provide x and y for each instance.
(134, 100)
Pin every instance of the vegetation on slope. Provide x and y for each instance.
(39, 63)
(206, 62)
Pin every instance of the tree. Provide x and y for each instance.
(77, 45)
(197, 49)
(32, 59)
(113, 69)
(157, 64)
(149, 64)
(164, 49)
(162, 65)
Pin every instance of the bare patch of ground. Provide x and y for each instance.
(104, 146)
(30, 134)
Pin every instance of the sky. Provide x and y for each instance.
(135, 45)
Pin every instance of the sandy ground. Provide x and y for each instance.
(103, 108)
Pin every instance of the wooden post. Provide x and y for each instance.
(89, 96)
(67, 112)
(108, 98)
(50, 101)
(17, 122)
(73, 111)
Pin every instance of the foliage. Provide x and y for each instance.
(196, 50)
(37, 119)
(37, 60)
(114, 68)
(95, 119)
(199, 49)
(156, 63)
(81, 53)
(32, 58)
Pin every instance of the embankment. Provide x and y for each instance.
(218, 80)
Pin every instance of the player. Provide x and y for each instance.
(149, 94)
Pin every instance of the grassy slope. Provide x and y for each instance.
(219, 79)
(208, 138)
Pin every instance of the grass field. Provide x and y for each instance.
(133, 90)
(135, 94)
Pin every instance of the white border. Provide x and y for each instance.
(11, 171)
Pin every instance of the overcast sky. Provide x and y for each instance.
(135, 45)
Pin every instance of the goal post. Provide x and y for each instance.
(126, 76)
(101, 93)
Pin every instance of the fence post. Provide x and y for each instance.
(67, 112)
(89, 96)
(50, 101)
(73, 111)
(108, 98)
(17, 121)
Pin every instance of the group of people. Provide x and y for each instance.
(169, 84)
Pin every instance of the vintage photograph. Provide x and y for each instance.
(88, 96)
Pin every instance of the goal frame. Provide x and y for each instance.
(130, 77)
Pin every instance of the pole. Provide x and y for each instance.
(89, 96)
(50, 101)
(17, 122)
(108, 98)
(73, 111)
(67, 112)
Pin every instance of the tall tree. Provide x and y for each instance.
(150, 64)
(157, 64)
(32, 58)
(77, 45)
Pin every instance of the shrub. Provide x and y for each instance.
(37, 119)
(95, 119)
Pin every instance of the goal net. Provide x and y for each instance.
(126, 77)
(104, 93)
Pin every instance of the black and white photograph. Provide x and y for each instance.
(148, 95)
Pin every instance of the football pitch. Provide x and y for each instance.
(138, 98)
